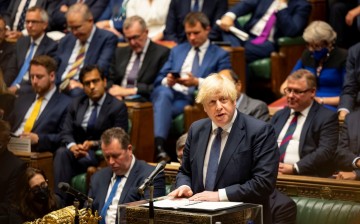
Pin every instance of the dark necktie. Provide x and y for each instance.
(266, 31)
(213, 161)
(20, 25)
(288, 136)
(92, 119)
(134, 71)
(25, 66)
(109, 199)
(196, 63)
(196, 6)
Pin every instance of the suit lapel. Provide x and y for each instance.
(83, 105)
(243, 103)
(207, 60)
(309, 119)
(24, 51)
(127, 55)
(129, 182)
(90, 52)
(103, 112)
(235, 137)
(104, 187)
(282, 121)
(204, 135)
(146, 61)
(26, 102)
(181, 54)
(46, 112)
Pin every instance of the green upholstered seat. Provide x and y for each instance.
(315, 210)
(177, 125)
(79, 183)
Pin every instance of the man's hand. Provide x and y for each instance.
(206, 196)
(285, 168)
(74, 84)
(117, 90)
(34, 138)
(64, 8)
(78, 151)
(103, 24)
(345, 175)
(342, 115)
(188, 81)
(181, 192)
(12, 89)
(226, 23)
(87, 145)
(171, 80)
(14, 35)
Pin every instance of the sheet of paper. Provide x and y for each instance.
(238, 33)
(19, 144)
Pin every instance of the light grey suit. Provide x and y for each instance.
(253, 107)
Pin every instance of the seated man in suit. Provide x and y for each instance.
(192, 62)
(350, 95)
(228, 156)
(135, 67)
(348, 151)
(39, 115)
(118, 183)
(244, 103)
(37, 43)
(178, 9)
(15, 16)
(307, 132)
(87, 117)
(12, 168)
(270, 19)
(62, 7)
(7, 51)
(83, 46)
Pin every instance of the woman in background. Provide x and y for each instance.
(325, 60)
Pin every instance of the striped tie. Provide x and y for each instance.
(29, 124)
(288, 136)
(78, 62)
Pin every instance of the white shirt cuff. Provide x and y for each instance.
(164, 81)
(282, 6)
(343, 109)
(68, 146)
(231, 15)
(296, 167)
(222, 195)
(111, 23)
(354, 163)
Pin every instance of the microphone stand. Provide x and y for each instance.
(151, 203)
(76, 205)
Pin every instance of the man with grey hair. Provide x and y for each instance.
(36, 43)
(123, 176)
(135, 66)
(228, 156)
(307, 132)
(84, 45)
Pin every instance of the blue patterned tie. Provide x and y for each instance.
(288, 136)
(20, 25)
(196, 63)
(109, 200)
(92, 119)
(213, 161)
(25, 66)
(196, 6)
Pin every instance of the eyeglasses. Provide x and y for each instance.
(296, 92)
(27, 22)
(94, 81)
(38, 187)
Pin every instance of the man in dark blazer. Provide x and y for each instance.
(60, 8)
(291, 19)
(99, 48)
(228, 156)
(45, 133)
(7, 51)
(117, 151)
(350, 95)
(87, 117)
(348, 151)
(179, 77)
(178, 10)
(311, 147)
(13, 14)
(151, 58)
(12, 168)
(37, 23)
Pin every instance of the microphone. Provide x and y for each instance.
(65, 187)
(160, 167)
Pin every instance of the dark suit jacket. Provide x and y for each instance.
(349, 143)
(12, 168)
(141, 170)
(155, 57)
(350, 95)
(100, 51)
(49, 123)
(318, 139)
(253, 107)
(215, 60)
(113, 113)
(58, 21)
(47, 46)
(178, 10)
(290, 21)
(9, 16)
(7, 52)
(248, 165)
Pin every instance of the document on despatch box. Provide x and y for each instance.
(19, 144)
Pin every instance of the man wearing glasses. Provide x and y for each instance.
(83, 45)
(36, 43)
(307, 132)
